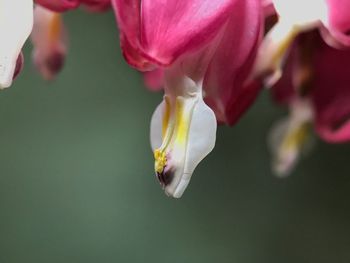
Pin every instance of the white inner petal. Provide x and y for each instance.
(290, 137)
(183, 132)
(301, 12)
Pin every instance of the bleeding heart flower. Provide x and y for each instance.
(331, 17)
(49, 40)
(16, 21)
(316, 76)
(206, 50)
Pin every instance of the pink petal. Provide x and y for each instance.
(154, 80)
(333, 123)
(127, 14)
(97, 5)
(59, 5)
(331, 93)
(268, 7)
(179, 27)
(339, 21)
(134, 55)
(226, 87)
(328, 90)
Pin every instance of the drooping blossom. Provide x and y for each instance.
(49, 36)
(315, 86)
(206, 50)
(330, 17)
(49, 41)
(16, 21)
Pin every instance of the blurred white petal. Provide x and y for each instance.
(16, 21)
(289, 138)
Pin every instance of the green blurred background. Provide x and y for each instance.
(77, 181)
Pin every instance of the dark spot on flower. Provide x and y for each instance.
(165, 177)
(55, 62)
(270, 21)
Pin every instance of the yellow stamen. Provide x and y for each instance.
(182, 121)
(160, 160)
(297, 137)
(166, 115)
(55, 27)
(175, 127)
(283, 46)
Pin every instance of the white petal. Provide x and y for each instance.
(300, 12)
(201, 141)
(273, 51)
(16, 21)
(283, 161)
(290, 137)
(183, 132)
(156, 127)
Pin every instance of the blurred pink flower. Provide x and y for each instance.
(315, 86)
(49, 36)
(331, 17)
(49, 41)
(324, 81)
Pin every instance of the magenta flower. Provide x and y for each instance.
(331, 17)
(317, 77)
(331, 94)
(206, 49)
